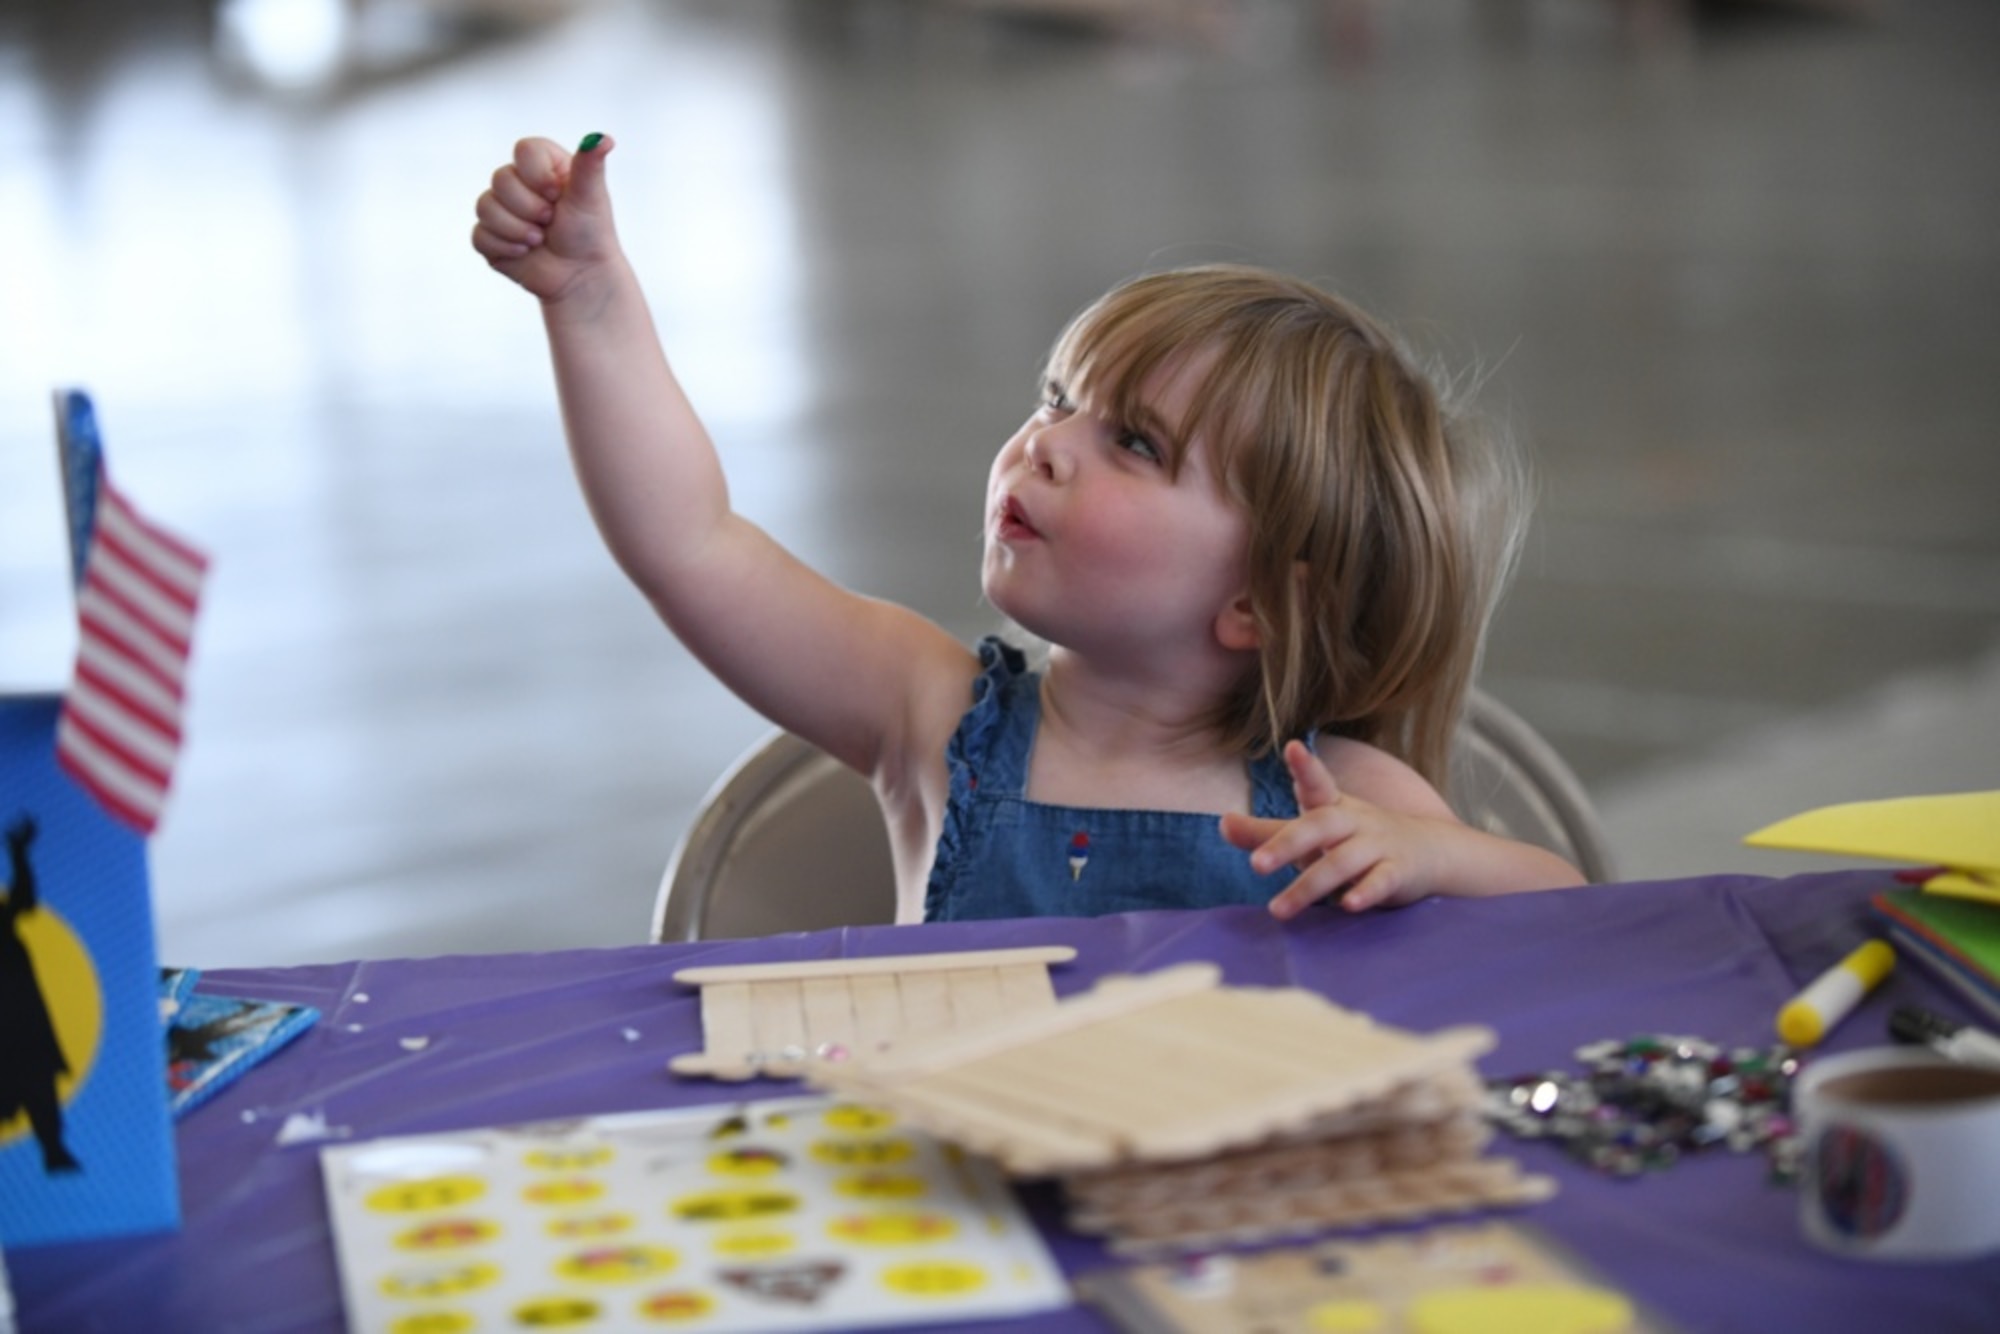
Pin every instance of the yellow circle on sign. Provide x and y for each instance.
(618, 1264)
(865, 1120)
(1347, 1317)
(68, 982)
(565, 1190)
(892, 1229)
(1529, 1308)
(937, 1278)
(863, 1152)
(414, 1197)
(435, 1322)
(446, 1234)
(442, 1282)
(680, 1304)
(730, 1206)
(556, 1312)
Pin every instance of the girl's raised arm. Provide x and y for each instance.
(762, 621)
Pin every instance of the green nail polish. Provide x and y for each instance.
(590, 141)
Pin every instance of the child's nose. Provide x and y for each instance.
(1049, 452)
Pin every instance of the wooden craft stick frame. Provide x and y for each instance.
(777, 1019)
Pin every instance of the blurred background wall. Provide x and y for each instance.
(1728, 269)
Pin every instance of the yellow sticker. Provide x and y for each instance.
(415, 1197)
(892, 1229)
(579, 1159)
(556, 1312)
(748, 1161)
(862, 1120)
(751, 1245)
(578, 1226)
(1528, 1308)
(618, 1264)
(1355, 1316)
(728, 1206)
(563, 1190)
(863, 1152)
(882, 1186)
(444, 1281)
(435, 1322)
(445, 1234)
(935, 1278)
(677, 1305)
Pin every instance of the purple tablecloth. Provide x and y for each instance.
(507, 1038)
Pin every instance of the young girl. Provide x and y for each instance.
(1259, 553)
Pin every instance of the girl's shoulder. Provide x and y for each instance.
(1379, 778)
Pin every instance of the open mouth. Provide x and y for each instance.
(1013, 521)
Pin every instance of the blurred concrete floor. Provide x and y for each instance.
(1730, 270)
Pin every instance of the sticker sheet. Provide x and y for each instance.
(1475, 1278)
(788, 1214)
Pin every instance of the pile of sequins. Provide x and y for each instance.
(1643, 1104)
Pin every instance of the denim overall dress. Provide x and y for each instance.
(1001, 855)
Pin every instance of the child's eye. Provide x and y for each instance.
(1055, 400)
(1138, 445)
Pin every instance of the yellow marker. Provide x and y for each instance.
(1811, 1015)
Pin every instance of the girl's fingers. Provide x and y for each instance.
(1312, 782)
(505, 225)
(1323, 879)
(493, 248)
(1312, 837)
(1248, 832)
(1372, 890)
(519, 198)
(543, 165)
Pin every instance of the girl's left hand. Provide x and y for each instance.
(1341, 845)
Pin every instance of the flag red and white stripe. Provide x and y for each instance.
(120, 728)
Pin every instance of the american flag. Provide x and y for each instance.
(138, 587)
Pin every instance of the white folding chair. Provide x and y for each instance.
(792, 840)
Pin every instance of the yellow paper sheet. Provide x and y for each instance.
(1962, 885)
(1960, 831)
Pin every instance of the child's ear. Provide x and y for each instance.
(1236, 626)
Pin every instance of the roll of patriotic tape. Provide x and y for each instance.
(1902, 1155)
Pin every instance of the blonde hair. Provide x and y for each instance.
(1382, 531)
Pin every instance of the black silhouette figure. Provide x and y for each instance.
(31, 1058)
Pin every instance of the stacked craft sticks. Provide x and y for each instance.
(1182, 1113)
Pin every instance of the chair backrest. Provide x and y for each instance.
(792, 840)
(1507, 779)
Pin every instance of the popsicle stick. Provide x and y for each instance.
(925, 1001)
(828, 1006)
(878, 1009)
(726, 1023)
(975, 995)
(778, 1017)
(910, 1060)
(1024, 987)
(891, 963)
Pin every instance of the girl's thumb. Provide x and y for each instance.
(586, 169)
